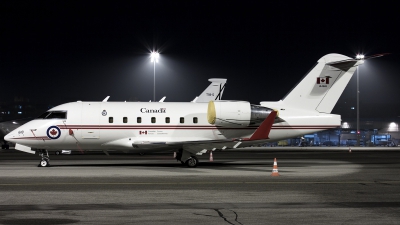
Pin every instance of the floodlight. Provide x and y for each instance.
(154, 56)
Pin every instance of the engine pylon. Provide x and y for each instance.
(275, 169)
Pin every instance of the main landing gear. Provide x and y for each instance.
(192, 162)
(45, 158)
(186, 158)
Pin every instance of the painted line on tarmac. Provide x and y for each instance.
(200, 183)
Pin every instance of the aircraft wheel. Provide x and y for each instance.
(57, 153)
(44, 163)
(192, 162)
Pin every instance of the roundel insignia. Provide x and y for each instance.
(53, 132)
(104, 113)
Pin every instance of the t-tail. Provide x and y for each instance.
(321, 88)
(213, 92)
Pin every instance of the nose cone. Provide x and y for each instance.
(8, 137)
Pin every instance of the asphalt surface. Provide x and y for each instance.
(314, 187)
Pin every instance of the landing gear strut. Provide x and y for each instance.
(45, 158)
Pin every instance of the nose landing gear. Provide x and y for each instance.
(45, 158)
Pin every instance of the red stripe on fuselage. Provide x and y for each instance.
(186, 127)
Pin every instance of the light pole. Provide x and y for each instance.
(359, 57)
(154, 59)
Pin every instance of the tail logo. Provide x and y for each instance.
(323, 81)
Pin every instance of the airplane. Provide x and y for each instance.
(191, 128)
(213, 91)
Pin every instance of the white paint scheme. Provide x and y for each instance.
(163, 98)
(305, 110)
(24, 148)
(213, 92)
(106, 99)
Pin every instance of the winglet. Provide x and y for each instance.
(263, 130)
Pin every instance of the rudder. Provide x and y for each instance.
(321, 88)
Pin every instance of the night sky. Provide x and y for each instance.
(60, 51)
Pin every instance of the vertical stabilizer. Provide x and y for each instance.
(213, 92)
(321, 88)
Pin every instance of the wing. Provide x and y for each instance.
(200, 147)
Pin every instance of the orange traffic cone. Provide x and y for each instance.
(350, 149)
(211, 157)
(275, 169)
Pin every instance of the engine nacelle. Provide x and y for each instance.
(236, 113)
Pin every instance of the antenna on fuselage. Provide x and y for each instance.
(106, 99)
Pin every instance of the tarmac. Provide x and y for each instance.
(315, 186)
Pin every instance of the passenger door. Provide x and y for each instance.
(90, 120)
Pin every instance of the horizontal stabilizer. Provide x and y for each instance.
(348, 63)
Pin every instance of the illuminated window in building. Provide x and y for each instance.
(345, 125)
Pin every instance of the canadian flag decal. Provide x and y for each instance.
(323, 80)
(142, 132)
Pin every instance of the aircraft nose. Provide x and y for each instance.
(8, 137)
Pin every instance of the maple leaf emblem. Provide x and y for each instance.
(53, 132)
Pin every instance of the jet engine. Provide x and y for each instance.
(236, 113)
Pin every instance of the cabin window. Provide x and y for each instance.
(167, 120)
(182, 120)
(139, 120)
(195, 120)
(111, 119)
(153, 120)
(125, 119)
(53, 115)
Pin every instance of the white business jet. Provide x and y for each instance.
(190, 128)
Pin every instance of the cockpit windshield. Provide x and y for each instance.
(53, 115)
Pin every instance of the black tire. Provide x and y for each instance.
(192, 162)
